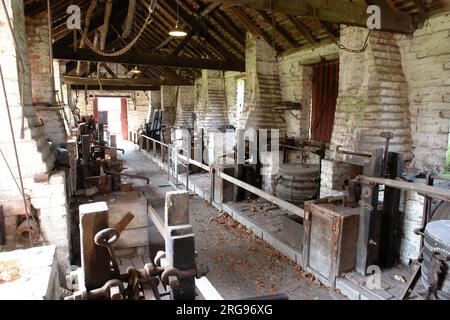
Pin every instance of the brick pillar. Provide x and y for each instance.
(168, 105)
(43, 73)
(263, 92)
(214, 99)
(185, 107)
(48, 199)
(155, 103)
(42, 83)
(373, 94)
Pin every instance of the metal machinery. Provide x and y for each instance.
(97, 163)
(432, 262)
(172, 273)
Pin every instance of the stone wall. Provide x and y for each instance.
(169, 98)
(231, 93)
(214, 100)
(426, 63)
(372, 94)
(43, 75)
(185, 107)
(44, 188)
(263, 91)
(138, 107)
(42, 84)
(296, 83)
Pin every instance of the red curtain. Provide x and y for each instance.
(124, 118)
(95, 109)
(325, 93)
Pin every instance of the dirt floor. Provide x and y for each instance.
(241, 265)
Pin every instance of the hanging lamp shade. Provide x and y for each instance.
(177, 32)
(136, 70)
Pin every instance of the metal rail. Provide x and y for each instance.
(434, 192)
(267, 196)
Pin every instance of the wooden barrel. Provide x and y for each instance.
(297, 183)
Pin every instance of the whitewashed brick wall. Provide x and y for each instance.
(185, 107)
(34, 152)
(262, 87)
(426, 63)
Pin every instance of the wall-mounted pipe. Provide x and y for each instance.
(130, 18)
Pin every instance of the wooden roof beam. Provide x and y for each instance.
(190, 21)
(279, 29)
(252, 27)
(149, 59)
(136, 82)
(336, 11)
(115, 88)
(302, 29)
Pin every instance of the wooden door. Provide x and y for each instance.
(124, 118)
(325, 93)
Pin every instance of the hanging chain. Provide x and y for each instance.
(125, 49)
(339, 44)
(363, 49)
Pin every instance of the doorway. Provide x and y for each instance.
(325, 94)
(113, 113)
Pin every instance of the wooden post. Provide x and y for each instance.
(141, 142)
(367, 243)
(86, 152)
(391, 217)
(177, 208)
(239, 167)
(180, 245)
(95, 259)
(113, 152)
(101, 133)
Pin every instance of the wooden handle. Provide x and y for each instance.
(124, 222)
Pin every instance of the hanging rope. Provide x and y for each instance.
(125, 49)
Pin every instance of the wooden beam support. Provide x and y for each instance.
(145, 82)
(302, 29)
(149, 59)
(279, 29)
(329, 29)
(115, 88)
(186, 39)
(191, 21)
(336, 11)
(252, 27)
(109, 70)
